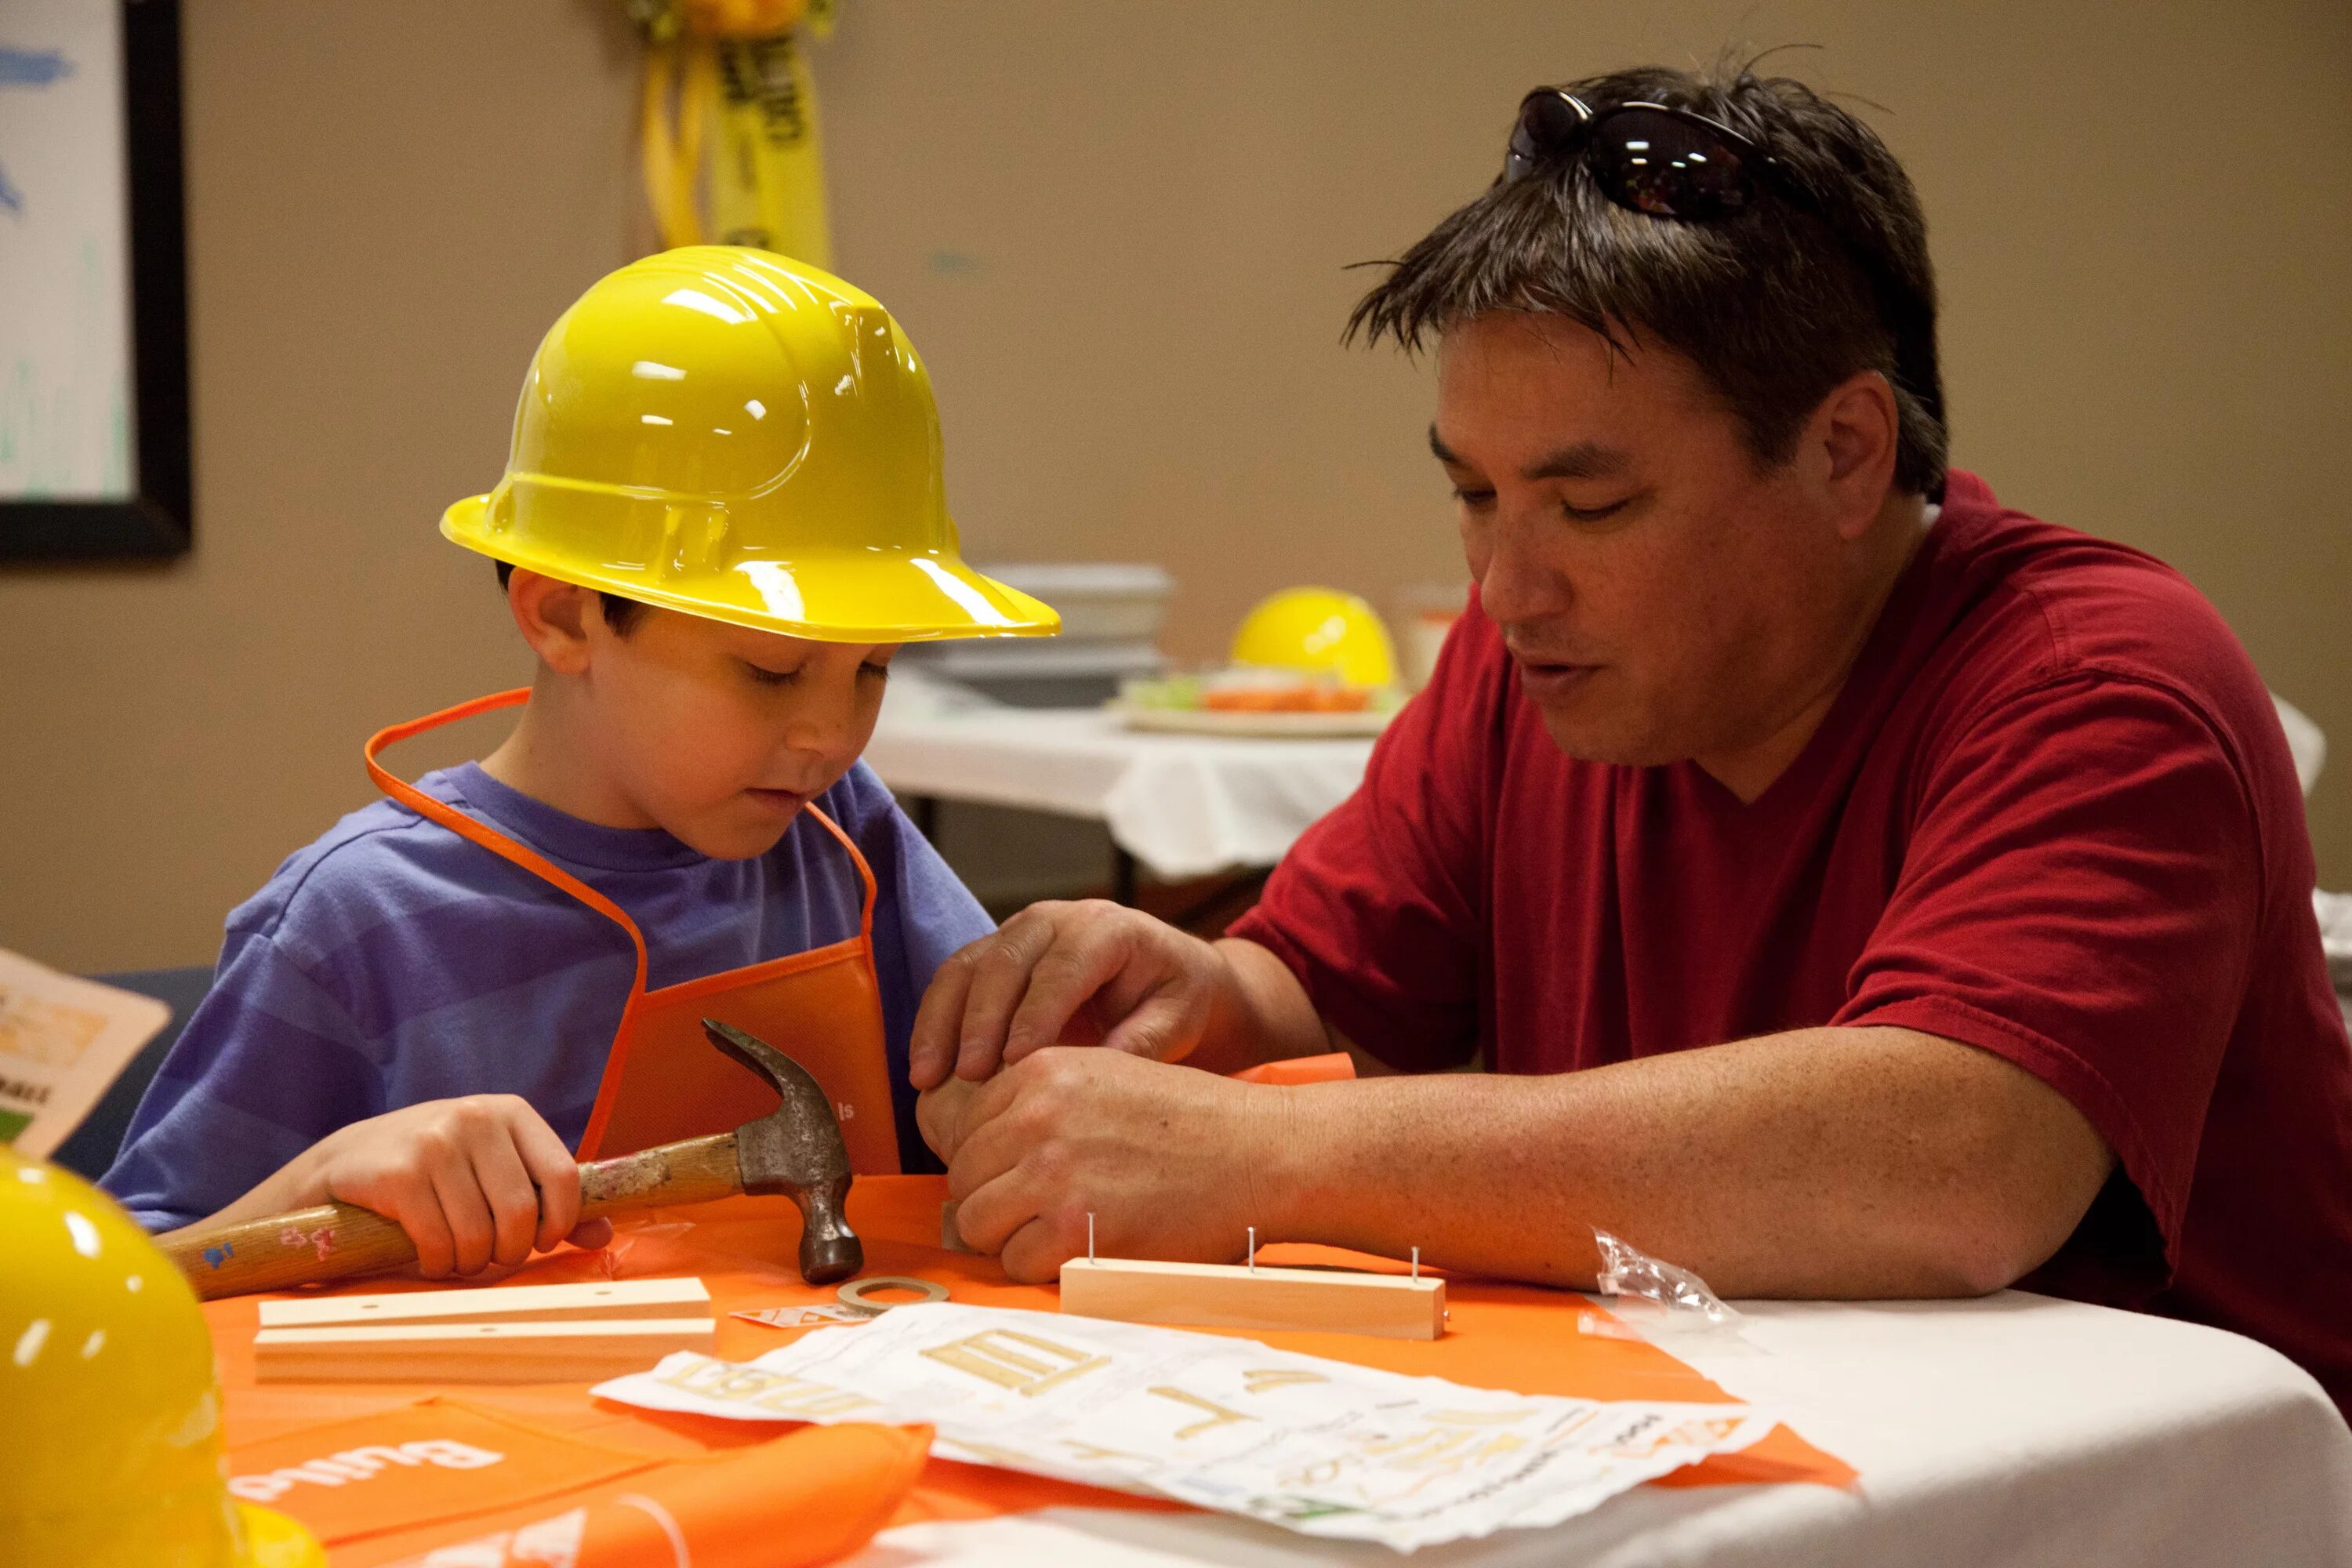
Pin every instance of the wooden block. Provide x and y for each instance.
(474, 1353)
(618, 1299)
(1232, 1296)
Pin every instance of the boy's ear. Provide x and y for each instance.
(553, 617)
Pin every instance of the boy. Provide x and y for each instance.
(723, 511)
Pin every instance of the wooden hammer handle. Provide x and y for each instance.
(341, 1241)
(695, 1171)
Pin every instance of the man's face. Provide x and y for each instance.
(1662, 598)
(721, 734)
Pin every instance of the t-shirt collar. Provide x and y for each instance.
(559, 835)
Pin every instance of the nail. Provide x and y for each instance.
(1416, 1263)
(1252, 1249)
(1090, 1235)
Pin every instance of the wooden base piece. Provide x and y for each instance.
(474, 1353)
(617, 1298)
(1232, 1296)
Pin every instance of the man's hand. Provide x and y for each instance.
(1165, 1160)
(476, 1183)
(1081, 973)
(941, 1111)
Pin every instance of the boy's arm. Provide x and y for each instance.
(269, 1063)
(475, 1182)
(271, 1101)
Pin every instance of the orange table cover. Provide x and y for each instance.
(1515, 1337)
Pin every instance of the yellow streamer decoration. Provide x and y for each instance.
(736, 74)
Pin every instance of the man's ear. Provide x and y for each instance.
(553, 617)
(1854, 431)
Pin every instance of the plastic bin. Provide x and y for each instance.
(1100, 602)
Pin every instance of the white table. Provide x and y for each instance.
(1999, 1433)
(1181, 805)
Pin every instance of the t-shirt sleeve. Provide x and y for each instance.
(923, 913)
(926, 904)
(269, 1063)
(1376, 908)
(2080, 895)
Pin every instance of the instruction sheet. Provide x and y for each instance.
(1320, 1447)
(62, 1041)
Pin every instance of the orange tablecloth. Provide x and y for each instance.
(1515, 1337)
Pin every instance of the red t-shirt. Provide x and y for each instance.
(2052, 815)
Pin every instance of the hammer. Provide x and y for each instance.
(795, 1150)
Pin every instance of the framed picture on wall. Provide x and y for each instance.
(94, 450)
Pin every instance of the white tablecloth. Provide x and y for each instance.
(1183, 805)
(2010, 1431)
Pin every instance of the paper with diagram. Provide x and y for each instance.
(1320, 1447)
(62, 1041)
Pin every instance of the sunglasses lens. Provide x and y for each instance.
(1548, 121)
(1666, 166)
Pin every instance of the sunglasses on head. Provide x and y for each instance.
(1648, 158)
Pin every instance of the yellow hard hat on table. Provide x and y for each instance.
(724, 432)
(106, 1382)
(1318, 631)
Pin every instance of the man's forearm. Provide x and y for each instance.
(1824, 1163)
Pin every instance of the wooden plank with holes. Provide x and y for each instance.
(616, 1298)
(1234, 1296)
(475, 1353)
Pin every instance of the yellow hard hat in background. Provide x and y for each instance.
(1318, 631)
(106, 1382)
(727, 433)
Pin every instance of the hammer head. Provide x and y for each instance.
(796, 1150)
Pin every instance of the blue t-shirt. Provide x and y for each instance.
(394, 961)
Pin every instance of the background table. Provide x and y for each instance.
(2001, 1432)
(1178, 805)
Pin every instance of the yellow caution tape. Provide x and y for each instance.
(738, 81)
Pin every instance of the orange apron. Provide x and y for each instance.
(663, 1080)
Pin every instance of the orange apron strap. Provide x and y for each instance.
(490, 838)
(866, 916)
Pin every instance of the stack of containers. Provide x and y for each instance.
(1111, 613)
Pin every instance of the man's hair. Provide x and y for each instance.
(1776, 306)
(620, 614)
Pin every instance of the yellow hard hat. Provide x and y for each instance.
(724, 432)
(106, 1377)
(1318, 631)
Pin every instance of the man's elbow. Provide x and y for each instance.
(2002, 1168)
(1979, 1254)
(2015, 1207)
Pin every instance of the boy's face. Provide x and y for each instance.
(719, 734)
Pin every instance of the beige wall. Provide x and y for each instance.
(1117, 233)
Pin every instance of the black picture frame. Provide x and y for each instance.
(158, 520)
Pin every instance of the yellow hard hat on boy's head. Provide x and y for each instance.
(1318, 631)
(727, 433)
(106, 1375)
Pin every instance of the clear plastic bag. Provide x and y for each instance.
(1651, 1299)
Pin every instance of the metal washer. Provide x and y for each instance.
(854, 1293)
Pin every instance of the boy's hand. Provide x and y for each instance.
(474, 1183)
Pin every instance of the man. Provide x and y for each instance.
(1969, 847)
